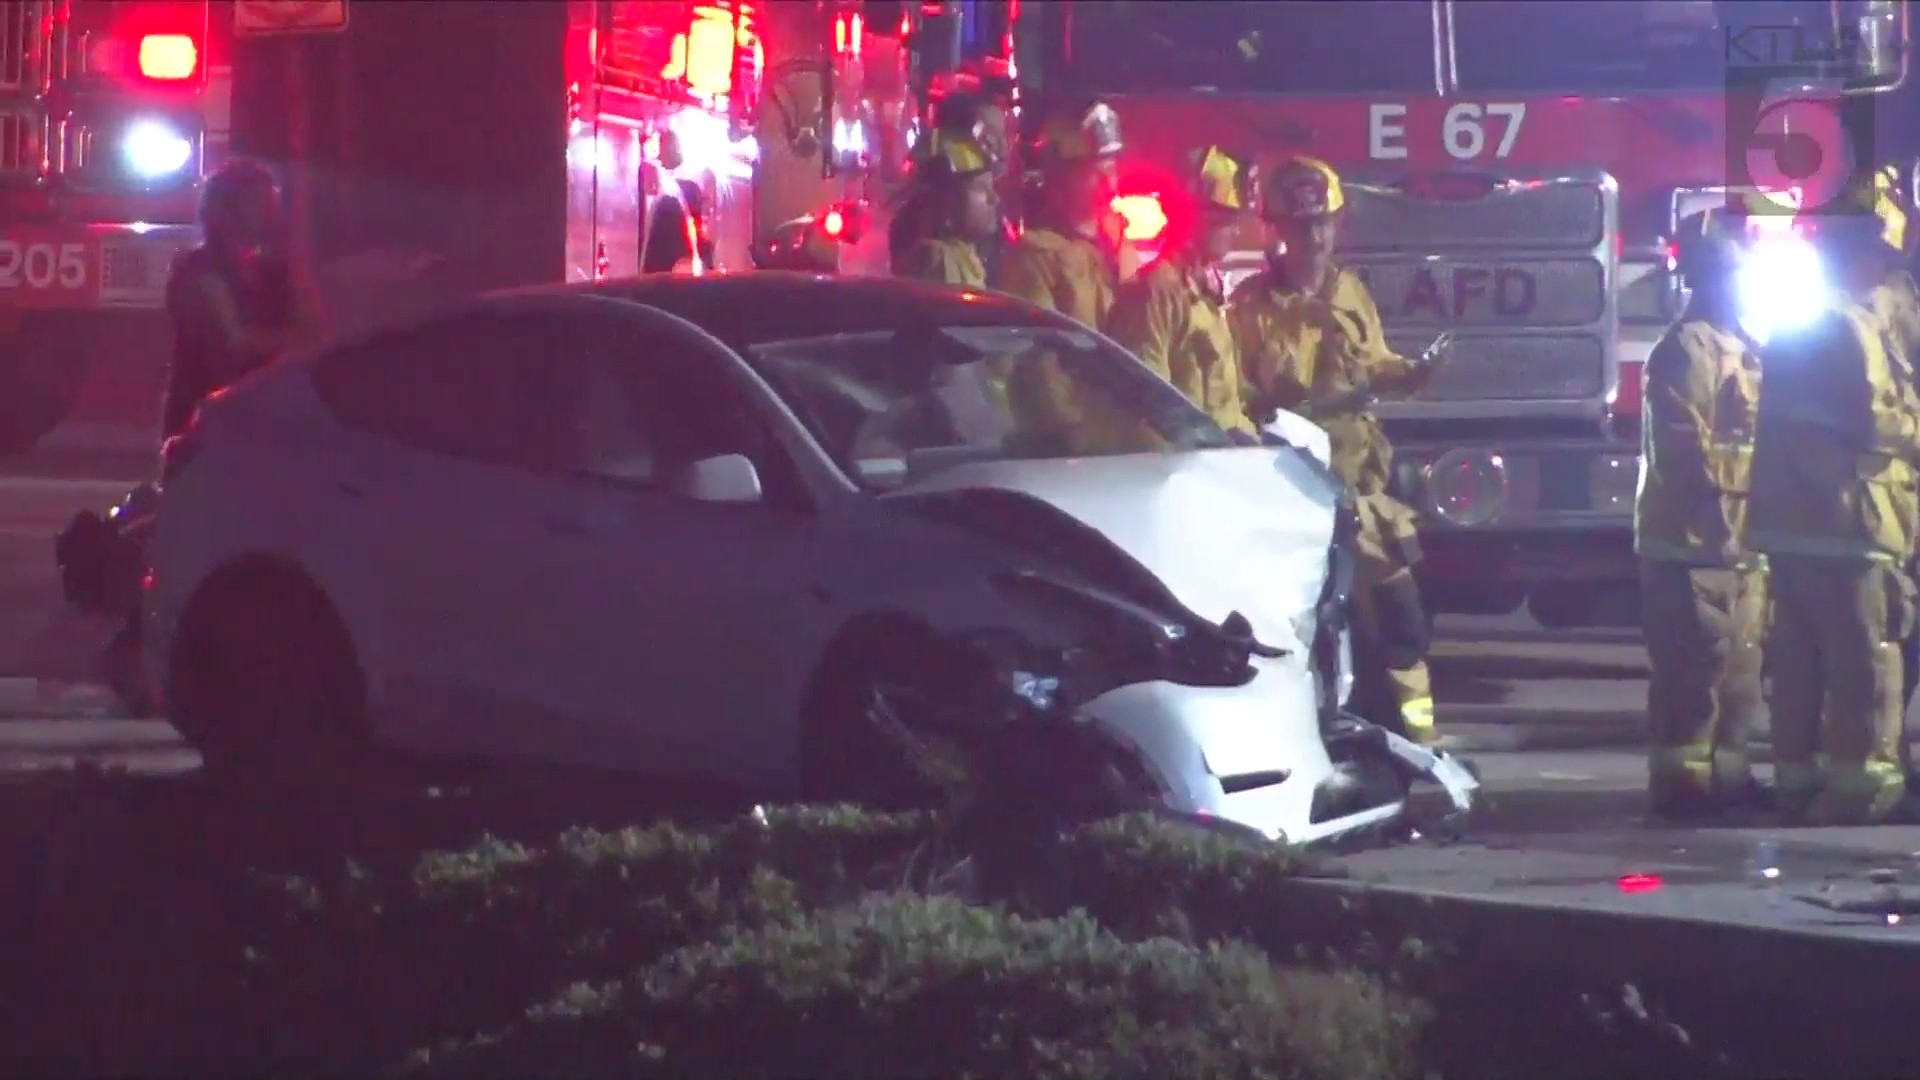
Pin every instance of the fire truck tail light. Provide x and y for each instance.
(834, 224)
(169, 57)
(1145, 218)
(1629, 396)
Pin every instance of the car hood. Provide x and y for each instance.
(1244, 530)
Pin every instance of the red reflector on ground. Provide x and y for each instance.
(1640, 883)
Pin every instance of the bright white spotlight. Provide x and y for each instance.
(154, 150)
(1781, 285)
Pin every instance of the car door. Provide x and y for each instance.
(449, 479)
(703, 618)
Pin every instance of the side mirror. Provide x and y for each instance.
(727, 478)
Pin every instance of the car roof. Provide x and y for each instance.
(755, 306)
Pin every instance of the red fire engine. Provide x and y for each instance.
(103, 137)
(1514, 169)
(427, 150)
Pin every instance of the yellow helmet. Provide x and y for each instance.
(945, 156)
(1302, 187)
(1221, 181)
(1870, 211)
(1073, 137)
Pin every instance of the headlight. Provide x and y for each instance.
(1466, 487)
(1780, 286)
(153, 150)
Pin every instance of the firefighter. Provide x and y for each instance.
(1173, 314)
(1833, 509)
(234, 301)
(1702, 590)
(1068, 258)
(1897, 301)
(971, 107)
(956, 180)
(1313, 344)
(1080, 148)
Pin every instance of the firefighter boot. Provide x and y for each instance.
(1404, 641)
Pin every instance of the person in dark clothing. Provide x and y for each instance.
(234, 305)
(233, 300)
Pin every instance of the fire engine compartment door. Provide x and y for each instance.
(1520, 268)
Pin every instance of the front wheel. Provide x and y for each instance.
(881, 729)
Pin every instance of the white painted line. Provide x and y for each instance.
(42, 698)
(52, 485)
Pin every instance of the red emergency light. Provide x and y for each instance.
(1144, 215)
(158, 57)
(169, 57)
(843, 223)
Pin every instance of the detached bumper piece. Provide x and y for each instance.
(1374, 769)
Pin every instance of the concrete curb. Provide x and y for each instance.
(30, 498)
(49, 699)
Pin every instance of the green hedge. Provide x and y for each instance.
(908, 986)
(791, 944)
(469, 938)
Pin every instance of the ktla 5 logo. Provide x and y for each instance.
(1800, 134)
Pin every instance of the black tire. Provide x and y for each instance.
(265, 683)
(847, 752)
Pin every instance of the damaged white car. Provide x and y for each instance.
(783, 531)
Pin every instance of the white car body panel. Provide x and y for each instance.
(1227, 530)
(591, 624)
(1303, 433)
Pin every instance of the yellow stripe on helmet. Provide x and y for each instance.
(1221, 180)
(953, 155)
(1304, 187)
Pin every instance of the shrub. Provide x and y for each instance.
(905, 986)
(467, 940)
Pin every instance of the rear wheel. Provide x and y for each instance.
(265, 683)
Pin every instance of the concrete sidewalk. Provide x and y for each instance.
(51, 699)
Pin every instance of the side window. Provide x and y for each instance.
(652, 408)
(371, 386)
(487, 388)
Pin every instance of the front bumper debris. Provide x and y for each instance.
(1359, 746)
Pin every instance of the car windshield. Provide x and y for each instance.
(893, 406)
(1156, 46)
(1588, 46)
